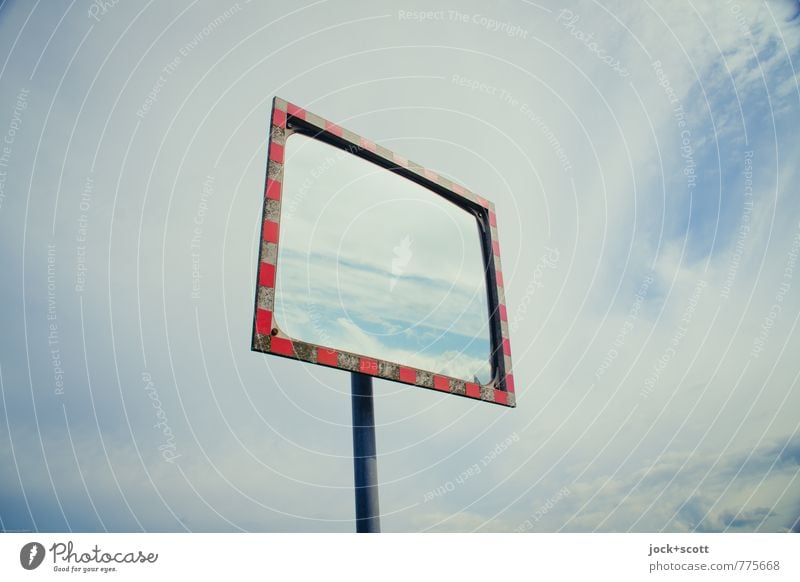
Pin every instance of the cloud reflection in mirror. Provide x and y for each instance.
(372, 263)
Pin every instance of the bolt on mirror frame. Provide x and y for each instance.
(267, 337)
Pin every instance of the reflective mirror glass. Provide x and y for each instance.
(373, 263)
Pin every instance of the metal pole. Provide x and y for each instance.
(365, 462)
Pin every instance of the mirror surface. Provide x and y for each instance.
(372, 263)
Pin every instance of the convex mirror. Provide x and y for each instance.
(373, 264)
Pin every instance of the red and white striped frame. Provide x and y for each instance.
(267, 335)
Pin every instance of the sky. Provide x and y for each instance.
(641, 157)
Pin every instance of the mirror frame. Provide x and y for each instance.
(267, 336)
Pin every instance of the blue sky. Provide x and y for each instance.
(654, 317)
